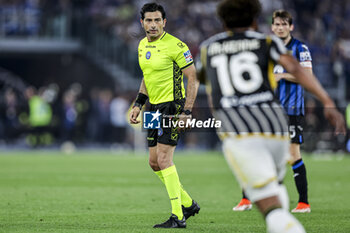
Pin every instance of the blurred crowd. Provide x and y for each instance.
(49, 116)
(321, 24)
(20, 17)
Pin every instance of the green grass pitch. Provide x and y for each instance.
(104, 192)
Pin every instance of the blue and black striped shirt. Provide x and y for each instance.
(291, 95)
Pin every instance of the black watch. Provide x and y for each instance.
(187, 112)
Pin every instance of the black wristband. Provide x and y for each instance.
(137, 105)
(140, 100)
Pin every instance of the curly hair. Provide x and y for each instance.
(238, 13)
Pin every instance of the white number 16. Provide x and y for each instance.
(245, 62)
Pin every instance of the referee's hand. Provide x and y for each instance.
(184, 118)
(134, 113)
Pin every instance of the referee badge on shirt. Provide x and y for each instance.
(148, 55)
(188, 56)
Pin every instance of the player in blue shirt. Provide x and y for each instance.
(291, 96)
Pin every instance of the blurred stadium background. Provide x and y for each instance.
(69, 69)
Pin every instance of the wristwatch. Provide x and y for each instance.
(187, 112)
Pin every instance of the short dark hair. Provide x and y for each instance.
(238, 13)
(152, 7)
(283, 14)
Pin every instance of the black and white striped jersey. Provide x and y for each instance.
(238, 71)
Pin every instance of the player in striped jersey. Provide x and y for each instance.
(291, 96)
(237, 67)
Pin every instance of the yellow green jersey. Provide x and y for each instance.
(162, 62)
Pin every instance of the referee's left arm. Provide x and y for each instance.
(192, 86)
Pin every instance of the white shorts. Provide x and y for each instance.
(258, 163)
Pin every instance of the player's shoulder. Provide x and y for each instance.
(256, 35)
(300, 44)
(213, 39)
(268, 38)
(278, 43)
(297, 41)
(276, 40)
(303, 51)
(262, 36)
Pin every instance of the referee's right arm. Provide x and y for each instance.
(139, 102)
(143, 89)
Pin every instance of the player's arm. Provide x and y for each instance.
(289, 77)
(181, 54)
(192, 86)
(191, 92)
(309, 82)
(139, 102)
(201, 64)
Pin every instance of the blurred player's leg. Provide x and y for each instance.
(280, 220)
(283, 196)
(258, 170)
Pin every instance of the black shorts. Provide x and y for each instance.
(165, 135)
(296, 128)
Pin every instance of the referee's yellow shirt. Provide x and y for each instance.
(162, 62)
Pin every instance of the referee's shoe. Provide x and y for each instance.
(172, 222)
(192, 210)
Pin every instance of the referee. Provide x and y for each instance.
(164, 60)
